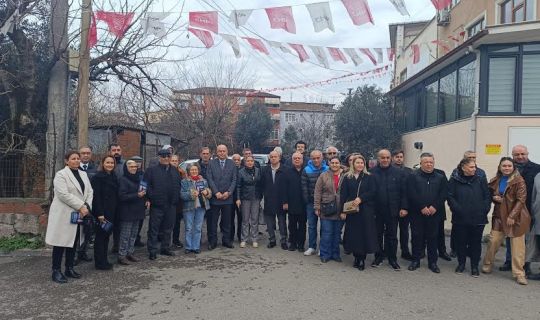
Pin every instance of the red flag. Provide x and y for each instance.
(92, 33)
(118, 23)
(302, 54)
(207, 20)
(415, 53)
(441, 44)
(204, 36)
(369, 55)
(358, 11)
(391, 54)
(453, 38)
(337, 55)
(441, 4)
(281, 18)
(257, 44)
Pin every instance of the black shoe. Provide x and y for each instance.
(534, 276)
(83, 257)
(474, 272)
(114, 249)
(361, 265)
(187, 251)
(414, 265)
(460, 268)
(270, 245)
(284, 246)
(434, 268)
(337, 259)
(211, 246)
(71, 273)
(123, 261)
(394, 265)
(347, 252)
(292, 247)
(324, 260)
(139, 244)
(152, 256)
(407, 256)
(527, 269)
(167, 252)
(507, 266)
(196, 251)
(356, 262)
(445, 256)
(228, 245)
(300, 248)
(453, 254)
(106, 266)
(58, 277)
(377, 262)
(178, 244)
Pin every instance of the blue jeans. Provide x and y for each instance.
(330, 236)
(193, 221)
(312, 220)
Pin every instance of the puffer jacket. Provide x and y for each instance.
(310, 174)
(248, 186)
(469, 199)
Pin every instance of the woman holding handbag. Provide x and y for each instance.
(195, 194)
(72, 195)
(358, 191)
(105, 185)
(326, 205)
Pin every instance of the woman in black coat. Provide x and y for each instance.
(360, 236)
(470, 201)
(105, 185)
(130, 212)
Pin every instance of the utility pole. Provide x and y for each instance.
(57, 95)
(84, 74)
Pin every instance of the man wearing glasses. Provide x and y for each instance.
(163, 192)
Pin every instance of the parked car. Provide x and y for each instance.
(184, 164)
(262, 159)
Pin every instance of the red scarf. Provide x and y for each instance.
(195, 178)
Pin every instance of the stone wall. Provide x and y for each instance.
(18, 215)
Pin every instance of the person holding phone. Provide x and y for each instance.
(72, 193)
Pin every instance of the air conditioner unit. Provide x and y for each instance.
(443, 17)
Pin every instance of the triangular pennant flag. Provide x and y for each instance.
(281, 18)
(358, 11)
(391, 54)
(369, 55)
(257, 44)
(441, 4)
(378, 52)
(337, 55)
(400, 6)
(118, 23)
(302, 54)
(92, 33)
(233, 42)
(415, 53)
(441, 44)
(153, 24)
(320, 55)
(204, 36)
(279, 45)
(321, 16)
(10, 23)
(207, 20)
(354, 56)
(239, 17)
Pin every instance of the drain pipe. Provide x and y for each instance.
(474, 115)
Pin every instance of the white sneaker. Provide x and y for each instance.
(242, 244)
(309, 252)
(255, 245)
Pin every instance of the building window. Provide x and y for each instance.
(275, 134)
(198, 99)
(290, 117)
(476, 27)
(432, 103)
(241, 101)
(403, 76)
(530, 95)
(502, 83)
(447, 98)
(512, 11)
(466, 89)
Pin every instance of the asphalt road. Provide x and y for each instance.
(258, 284)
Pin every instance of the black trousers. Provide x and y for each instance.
(468, 243)
(236, 229)
(160, 228)
(271, 227)
(387, 234)
(441, 242)
(425, 230)
(404, 224)
(116, 232)
(58, 252)
(224, 211)
(453, 244)
(88, 232)
(101, 247)
(176, 227)
(297, 229)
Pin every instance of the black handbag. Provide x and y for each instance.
(329, 209)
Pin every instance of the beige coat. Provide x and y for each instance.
(325, 192)
(68, 197)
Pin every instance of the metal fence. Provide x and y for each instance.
(22, 175)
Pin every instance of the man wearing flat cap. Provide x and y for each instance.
(163, 192)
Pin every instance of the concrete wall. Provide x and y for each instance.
(18, 215)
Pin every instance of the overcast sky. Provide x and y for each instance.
(284, 70)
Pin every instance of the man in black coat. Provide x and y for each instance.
(273, 185)
(222, 181)
(163, 192)
(427, 192)
(398, 159)
(204, 159)
(88, 166)
(390, 204)
(294, 204)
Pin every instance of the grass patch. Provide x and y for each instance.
(20, 241)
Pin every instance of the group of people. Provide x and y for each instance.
(348, 203)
